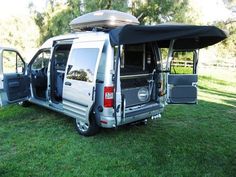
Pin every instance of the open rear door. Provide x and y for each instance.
(14, 84)
(182, 80)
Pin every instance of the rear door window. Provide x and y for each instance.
(183, 62)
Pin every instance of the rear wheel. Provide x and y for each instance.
(86, 129)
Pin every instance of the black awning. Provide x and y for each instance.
(186, 36)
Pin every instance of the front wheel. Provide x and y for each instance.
(86, 129)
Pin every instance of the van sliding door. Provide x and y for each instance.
(80, 79)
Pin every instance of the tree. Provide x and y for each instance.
(93, 5)
(55, 20)
(230, 3)
(227, 49)
(159, 11)
(19, 32)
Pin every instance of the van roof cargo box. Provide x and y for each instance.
(102, 19)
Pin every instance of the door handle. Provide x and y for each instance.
(68, 83)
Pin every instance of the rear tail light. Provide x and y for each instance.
(108, 96)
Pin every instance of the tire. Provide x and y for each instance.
(85, 129)
(24, 103)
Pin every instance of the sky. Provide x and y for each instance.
(211, 10)
(18, 7)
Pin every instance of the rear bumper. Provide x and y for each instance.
(142, 112)
(133, 114)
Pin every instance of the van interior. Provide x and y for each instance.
(39, 68)
(38, 73)
(138, 71)
(58, 67)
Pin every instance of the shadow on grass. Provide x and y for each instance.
(217, 81)
(220, 93)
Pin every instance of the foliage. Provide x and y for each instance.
(18, 32)
(231, 3)
(55, 19)
(93, 5)
(158, 11)
(227, 47)
(189, 140)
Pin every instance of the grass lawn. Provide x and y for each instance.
(189, 140)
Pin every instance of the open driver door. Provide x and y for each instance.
(14, 83)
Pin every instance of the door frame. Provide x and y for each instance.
(51, 71)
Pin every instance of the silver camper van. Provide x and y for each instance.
(109, 71)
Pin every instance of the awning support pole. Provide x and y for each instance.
(115, 84)
(169, 58)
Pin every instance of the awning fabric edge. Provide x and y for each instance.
(186, 36)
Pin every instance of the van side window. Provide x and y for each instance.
(182, 62)
(41, 60)
(12, 62)
(82, 64)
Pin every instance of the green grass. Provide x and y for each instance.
(189, 140)
(181, 70)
